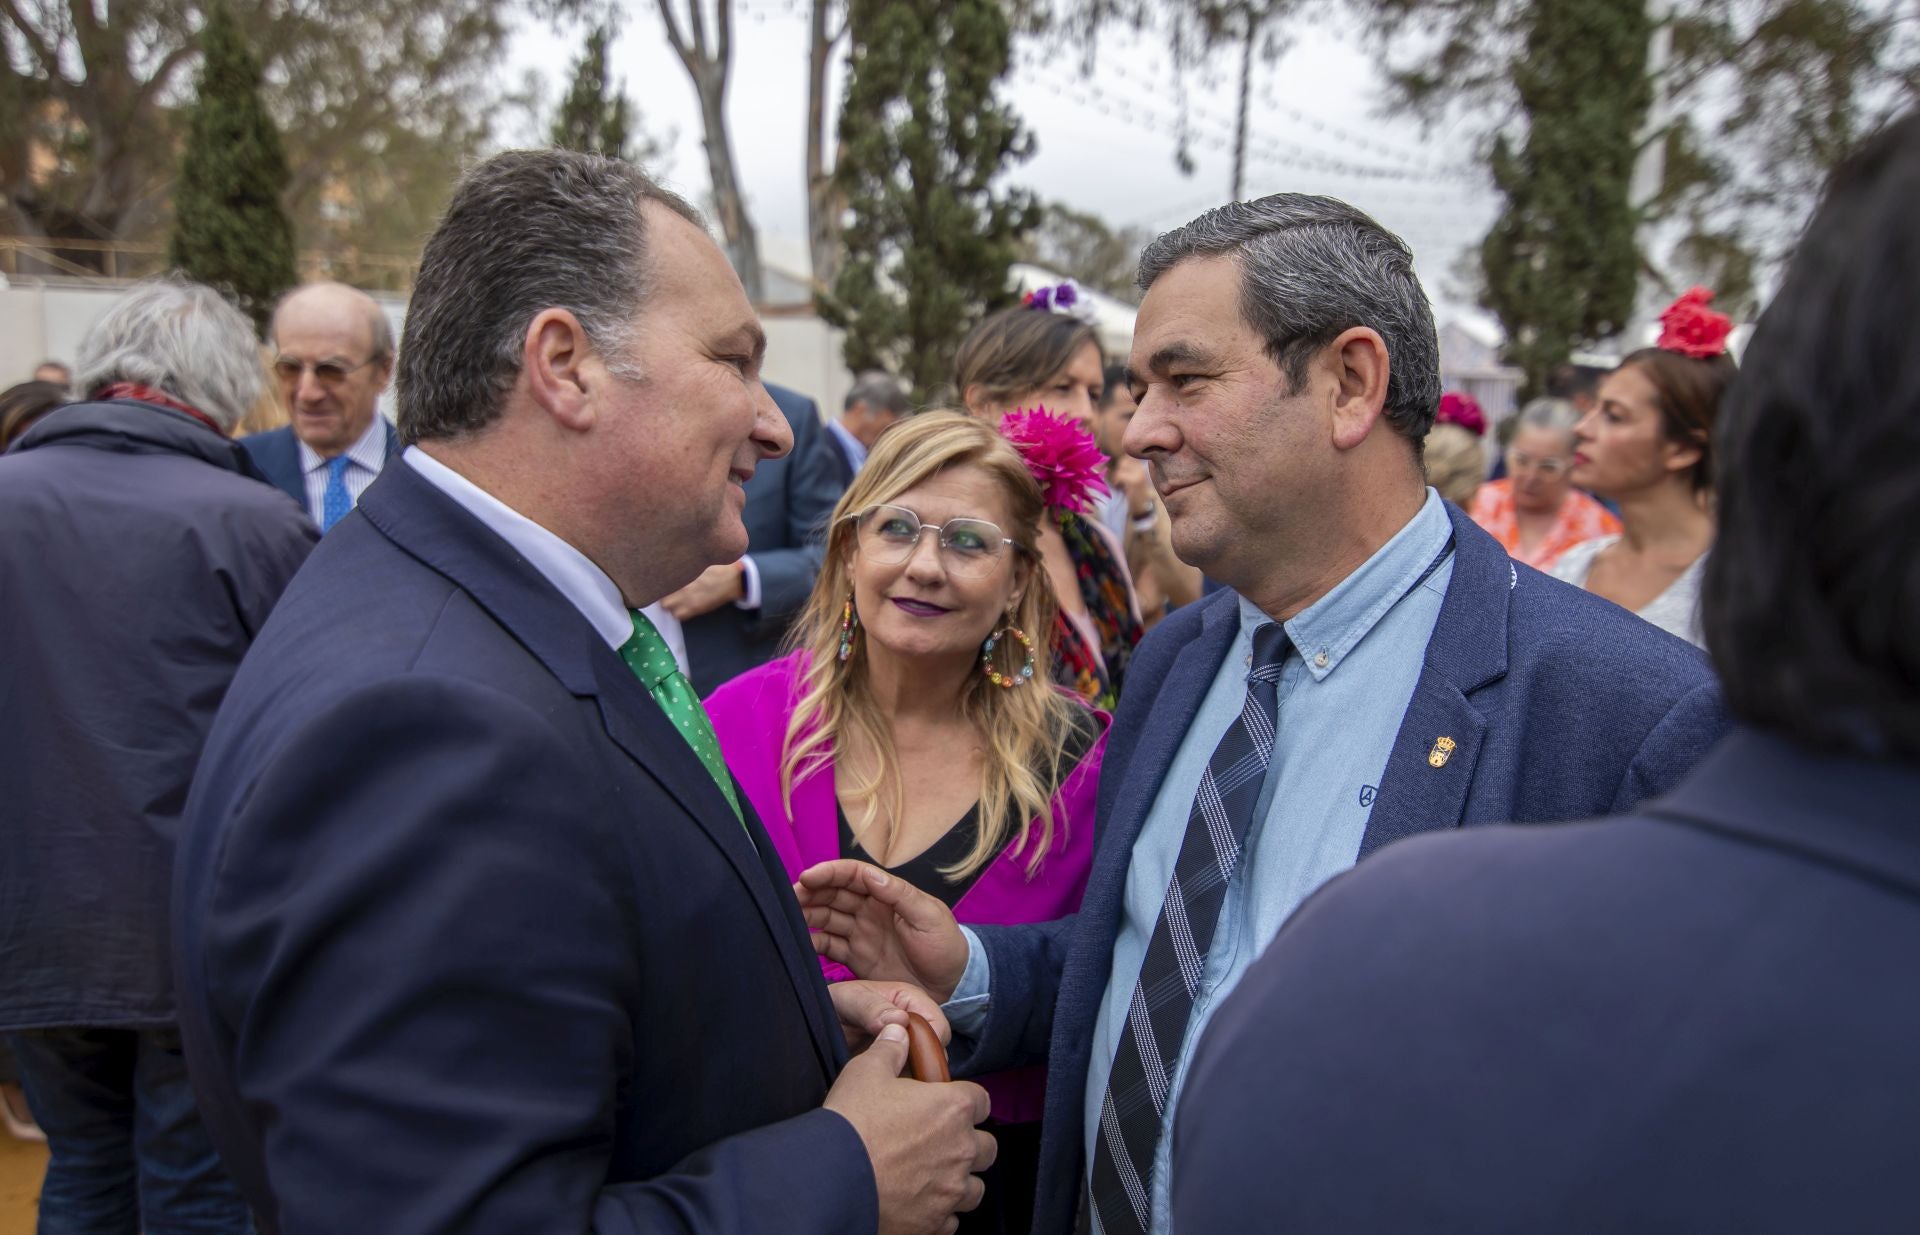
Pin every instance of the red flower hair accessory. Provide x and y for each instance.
(1060, 453)
(1692, 329)
(1463, 410)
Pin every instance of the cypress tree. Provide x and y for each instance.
(929, 237)
(591, 120)
(1562, 263)
(229, 229)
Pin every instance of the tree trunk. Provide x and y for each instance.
(826, 201)
(1240, 118)
(743, 245)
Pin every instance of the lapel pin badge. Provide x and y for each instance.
(1442, 750)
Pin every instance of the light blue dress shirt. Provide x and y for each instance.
(1359, 650)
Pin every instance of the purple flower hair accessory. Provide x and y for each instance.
(1060, 296)
(1060, 453)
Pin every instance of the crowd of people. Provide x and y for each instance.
(550, 808)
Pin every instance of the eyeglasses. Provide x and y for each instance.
(969, 548)
(326, 372)
(1550, 466)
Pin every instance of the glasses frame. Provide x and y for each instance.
(939, 530)
(1516, 459)
(313, 366)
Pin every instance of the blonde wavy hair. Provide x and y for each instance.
(1023, 730)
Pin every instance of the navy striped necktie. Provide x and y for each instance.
(1144, 1064)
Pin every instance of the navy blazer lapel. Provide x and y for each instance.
(1434, 754)
(432, 527)
(277, 454)
(393, 439)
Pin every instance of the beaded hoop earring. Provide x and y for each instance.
(849, 622)
(1009, 680)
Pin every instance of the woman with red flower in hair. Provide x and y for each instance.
(1647, 446)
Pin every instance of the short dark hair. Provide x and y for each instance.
(23, 405)
(1310, 268)
(1112, 382)
(1813, 586)
(527, 231)
(1016, 350)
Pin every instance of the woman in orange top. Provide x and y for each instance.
(1535, 511)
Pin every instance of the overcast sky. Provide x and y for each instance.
(1105, 144)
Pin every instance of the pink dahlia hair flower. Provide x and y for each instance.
(1463, 410)
(1060, 453)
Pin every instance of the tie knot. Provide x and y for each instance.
(647, 652)
(1270, 648)
(337, 467)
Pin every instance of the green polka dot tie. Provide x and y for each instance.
(651, 660)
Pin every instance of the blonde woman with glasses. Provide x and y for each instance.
(915, 724)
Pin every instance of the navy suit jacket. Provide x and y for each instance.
(789, 501)
(276, 453)
(1561, 706)
(468, 939)
(1700, 1018)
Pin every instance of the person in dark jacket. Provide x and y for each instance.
(143, 553)
(1700, 1017)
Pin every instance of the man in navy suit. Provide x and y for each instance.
(473, 931)
(1698, 1018)
(734, 615)
(333, 357)
(1377, 668)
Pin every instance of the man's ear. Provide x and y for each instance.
(557, 365)
(1359, 366)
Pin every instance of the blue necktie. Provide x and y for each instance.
(1121, 1184)
(337, 501)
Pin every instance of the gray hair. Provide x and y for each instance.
(877, 388)
(1559, 415)
(1310, 268)
(526, 231)
(182, 338)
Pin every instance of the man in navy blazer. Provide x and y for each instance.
(1698, 1018)
(1379, 668)
(333, 357)
(734, 615)
(472, 930)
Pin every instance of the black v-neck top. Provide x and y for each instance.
(923, 870)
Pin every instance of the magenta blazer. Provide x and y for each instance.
(750, 716)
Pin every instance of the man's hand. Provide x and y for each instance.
(866, 1008)
(882, 927)
(920, 1137)
(716, 586)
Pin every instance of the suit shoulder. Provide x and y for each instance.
(1589, 636)
(268, 440)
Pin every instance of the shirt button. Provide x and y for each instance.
(1320, 659)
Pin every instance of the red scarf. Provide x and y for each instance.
(149, 394)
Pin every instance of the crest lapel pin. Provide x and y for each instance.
(1442, 750)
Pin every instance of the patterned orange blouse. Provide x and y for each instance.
(1581, 518)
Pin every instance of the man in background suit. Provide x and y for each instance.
(1698, 1018)
(875, 403)
(1379, 667)
(333, 357)
(472, 930)
(734, 615)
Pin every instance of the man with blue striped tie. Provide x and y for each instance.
(1376, 666)
(333, 356)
